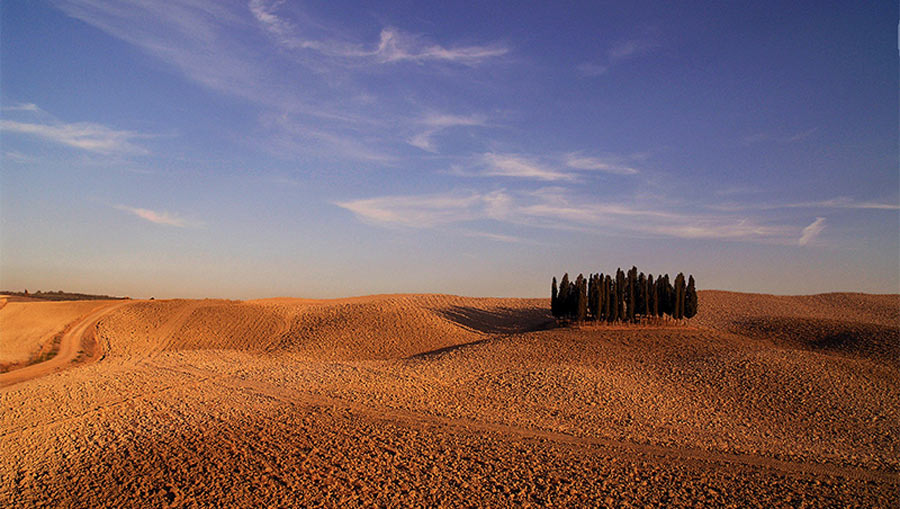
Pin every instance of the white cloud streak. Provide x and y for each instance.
(494, 164)
(516, 166)
(618, 52)
(396, 46)
(423, 141)
(841, 202)
(552, 208)
(784, 139)
(630, 48)
(812, 231)
(577, 161)
(445, 120)
(496, 237)
(438, 123)
(393, 44)
(82, 135)
(29, 107)
(845, 203)
(18, 157)
(422, 211)
(163, 218)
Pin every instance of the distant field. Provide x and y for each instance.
(422, 400)
(52, 296)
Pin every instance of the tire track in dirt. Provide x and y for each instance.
(165, 335)
(658, 452)
(68, 350)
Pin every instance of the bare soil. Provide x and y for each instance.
(401, 400)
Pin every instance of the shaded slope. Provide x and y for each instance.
(843, 323)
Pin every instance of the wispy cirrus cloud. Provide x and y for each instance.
(812, 231)
(840, 202)
(630, 48)
(163, 218)
(81, 135)
(443, 121)
(434, 124)
(420, 211)
(393, 44)
(396, 46)
(737, 190)
(311, 73)
(281, 30)
(556, 168)
(18, 157)
(768, 137)
(210, 43)
(618, 52)
(592, 69)
(557, 208)
(606, 165)
(288, 135)
(423, 141)
(518, 166)
(29, 107)
(496, 237)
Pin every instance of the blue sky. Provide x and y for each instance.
(251, 149)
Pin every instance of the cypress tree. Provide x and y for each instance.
(652, 301)
(664, 292)
(620, 294)
(670, 296)
(630, 295)
(642, 294)
(610, 299)
(679, 297)
(580, 298)
(554, 306)
(591, 298)
(573, 299)
(591, 314)
(601, 297)
(628, 300)
(562, 299)
(574, 296)
(690, 299)
(673, 298)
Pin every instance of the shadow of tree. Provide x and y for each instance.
(869, 340)
(499, 320)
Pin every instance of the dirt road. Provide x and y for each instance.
(69, 346)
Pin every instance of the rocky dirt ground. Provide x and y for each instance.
(440, 400)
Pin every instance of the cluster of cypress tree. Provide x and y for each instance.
(625, 297)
